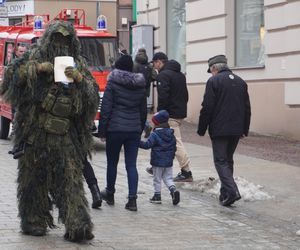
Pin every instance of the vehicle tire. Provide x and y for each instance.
(4, 127)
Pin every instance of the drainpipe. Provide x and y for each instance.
(134, 18)
(97, 11)
(134, 11)
(147, 10)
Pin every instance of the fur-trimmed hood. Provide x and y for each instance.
(127, 79)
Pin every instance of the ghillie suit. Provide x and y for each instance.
(52, 129)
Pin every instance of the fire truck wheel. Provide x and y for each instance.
(4, 127)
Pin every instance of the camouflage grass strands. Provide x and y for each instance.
(50, 171)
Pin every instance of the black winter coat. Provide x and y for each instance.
(141, 65)
(226, 106)
(124, 106)
(172, 90)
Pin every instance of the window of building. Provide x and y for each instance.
(249, 33)
(176, 31)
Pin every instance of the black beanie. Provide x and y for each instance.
(124, 63)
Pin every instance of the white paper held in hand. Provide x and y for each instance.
(60, 64)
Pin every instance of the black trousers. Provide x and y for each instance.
(88, 173)
(223, 150)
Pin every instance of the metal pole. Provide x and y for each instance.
(97, 10)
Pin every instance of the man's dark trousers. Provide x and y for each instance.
(223, 150)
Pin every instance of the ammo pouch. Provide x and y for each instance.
(48, 102)
(56, 125)
(62, 106)
(59, 106)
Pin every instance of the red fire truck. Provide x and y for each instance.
(99, 48)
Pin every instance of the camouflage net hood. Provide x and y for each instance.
(66, 29)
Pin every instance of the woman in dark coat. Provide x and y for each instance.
(123, 115)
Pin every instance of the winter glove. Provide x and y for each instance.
(71, 72)
(45, 67)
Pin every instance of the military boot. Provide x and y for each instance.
(79, 236)
(34, 230)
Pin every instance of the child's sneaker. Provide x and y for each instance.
(156, 199)
(175, 197)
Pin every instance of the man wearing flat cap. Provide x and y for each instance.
(226, 113)
(173, 97)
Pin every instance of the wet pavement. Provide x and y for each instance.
(198, 222)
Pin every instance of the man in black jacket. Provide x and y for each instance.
(226, 111)
(173, 97)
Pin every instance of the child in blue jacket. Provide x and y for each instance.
(163, 146)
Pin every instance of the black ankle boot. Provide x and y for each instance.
(97, 200)
(108, 197)
(131, 204)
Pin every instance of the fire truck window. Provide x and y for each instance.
(9, 49)
(36, 40)
(98, 52)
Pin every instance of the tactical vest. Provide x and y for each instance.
(57, 107)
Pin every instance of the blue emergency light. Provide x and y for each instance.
(38, 23)
(101, 22)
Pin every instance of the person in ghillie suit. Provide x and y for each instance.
(52, 133)
(163, 147)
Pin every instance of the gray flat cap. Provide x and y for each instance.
(216, 59)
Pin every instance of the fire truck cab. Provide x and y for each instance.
(99, 48)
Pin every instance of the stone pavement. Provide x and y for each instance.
(198, 222)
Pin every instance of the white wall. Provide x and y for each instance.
(210, 31)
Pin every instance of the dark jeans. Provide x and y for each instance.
(114, 143)
(88, 173)
(223, 150)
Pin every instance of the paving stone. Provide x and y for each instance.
(198, 222)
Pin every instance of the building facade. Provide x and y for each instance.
(12, 12)
(124, 23)
(260, 39)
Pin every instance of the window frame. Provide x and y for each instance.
(261, 53)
